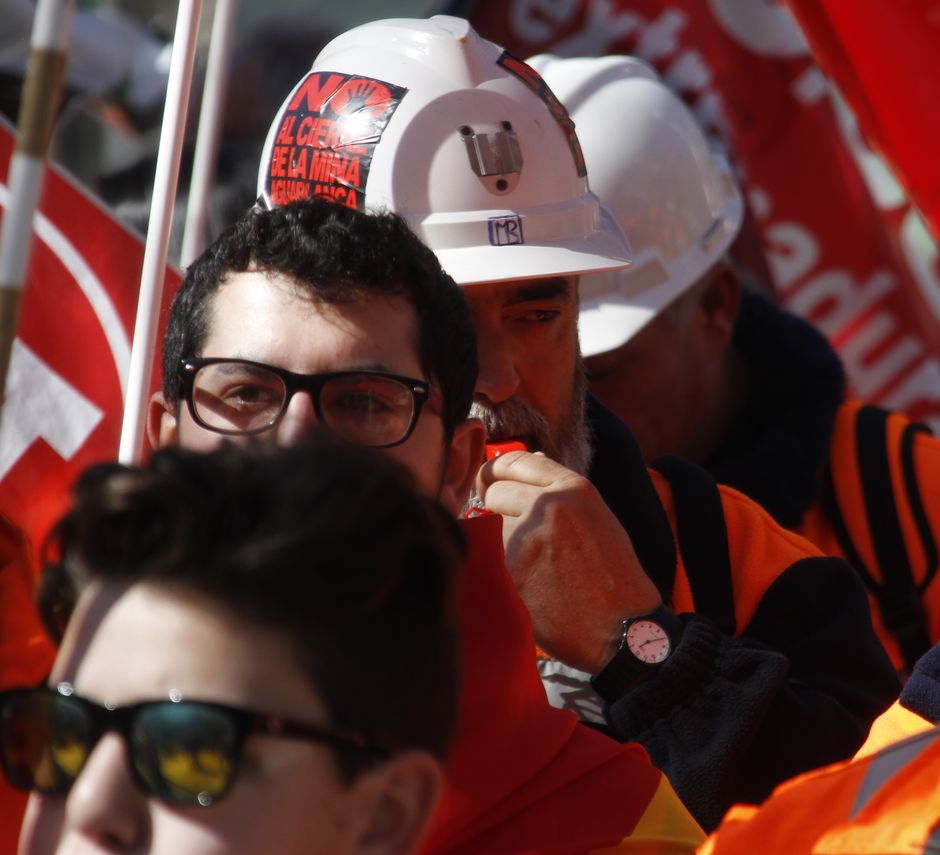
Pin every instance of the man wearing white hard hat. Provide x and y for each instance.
(724, 378)
(471, 147)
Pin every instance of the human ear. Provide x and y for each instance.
(395, 802)
(462, 462)
(162, 424)
(720, 302)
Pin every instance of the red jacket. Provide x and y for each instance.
(26, 655)
(524, 777)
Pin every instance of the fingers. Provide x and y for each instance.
(524, 467)
(511, 483)
(510, 498)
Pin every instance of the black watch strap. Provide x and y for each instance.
(626, 670)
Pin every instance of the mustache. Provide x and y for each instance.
(513, 419)
(568, 443)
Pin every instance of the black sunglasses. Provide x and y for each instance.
(238, 396)
(181, 752)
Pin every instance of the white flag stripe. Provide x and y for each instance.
(91, 286)
(41, 405)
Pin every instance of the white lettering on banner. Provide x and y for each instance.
(765, 28)
(41, 405)
(870, 376)
(835, 301)
(791, 253)
(710, 112)
(660, 37)
(923, 257)
(768, 29)
(538, 20)
(921, 388)
(605, 26)
(885, 191)
(810, 86)
(920, 250)
(846, 298)
(688, 72)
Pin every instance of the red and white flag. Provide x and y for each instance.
(68, 372)
(843, 244)
(885, 58)
(64, 402)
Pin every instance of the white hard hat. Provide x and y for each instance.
(652, 167)
(426, 119)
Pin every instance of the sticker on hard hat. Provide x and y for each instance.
(326, 136)
(533, 80)
(506, 230)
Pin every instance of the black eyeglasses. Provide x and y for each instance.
(181, 752)
(236, 396)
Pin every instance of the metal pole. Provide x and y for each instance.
(40, 100)
(210, 129)
(158, 230)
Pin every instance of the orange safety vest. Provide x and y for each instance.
(731, 551)
(522, 776)
(880, 509)
(887, 803)
(26, 654)
(893, 725)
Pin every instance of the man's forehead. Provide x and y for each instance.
(264, 305)
(334, 297)
(514, 291)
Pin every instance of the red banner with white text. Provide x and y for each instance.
(843, 245)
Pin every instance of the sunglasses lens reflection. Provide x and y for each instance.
(184, 753)
(181, 753)
(46, 741)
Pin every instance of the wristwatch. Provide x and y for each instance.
(646, 642)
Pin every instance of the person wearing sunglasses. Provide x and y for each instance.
(248, 667)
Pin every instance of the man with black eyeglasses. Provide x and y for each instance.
(316, 315)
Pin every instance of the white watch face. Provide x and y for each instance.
(648, 641)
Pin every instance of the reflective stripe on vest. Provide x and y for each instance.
(884, 766)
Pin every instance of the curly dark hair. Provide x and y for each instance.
(335, 255)
(327, 543)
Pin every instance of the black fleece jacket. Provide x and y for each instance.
(727, 718)
(776, 451)
(921, 692)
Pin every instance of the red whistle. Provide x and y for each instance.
(495, 449)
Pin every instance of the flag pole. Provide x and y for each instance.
(210, 130)
(158, 230)
(42, 90)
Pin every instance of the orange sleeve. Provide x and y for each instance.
(886, 802)
(759, 548)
